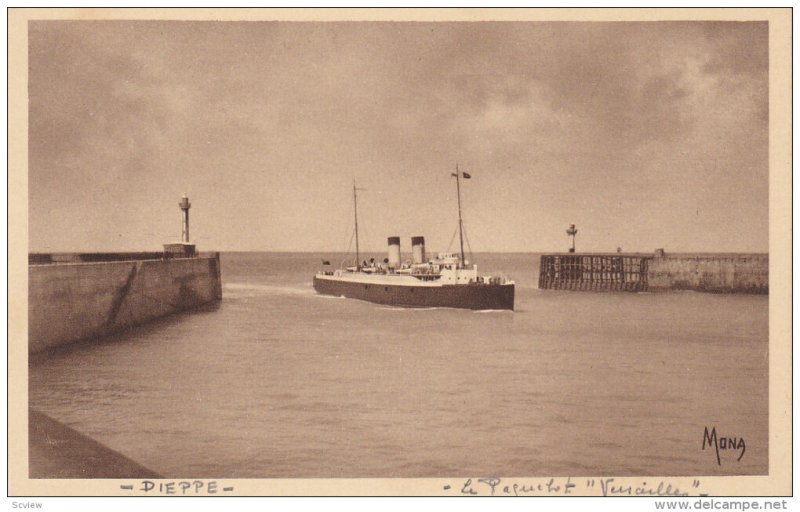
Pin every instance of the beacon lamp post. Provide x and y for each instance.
(572, 232)
(184, 248)
(184, 206)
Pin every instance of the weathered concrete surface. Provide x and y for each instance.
(70, 302)
(57, 451)
(720, 273)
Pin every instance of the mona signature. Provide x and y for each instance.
(723, 443)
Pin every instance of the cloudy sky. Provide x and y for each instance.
(644, 135)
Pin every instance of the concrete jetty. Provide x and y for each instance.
(79, 296)
(58, 451)
(715, 273)
(637, 272)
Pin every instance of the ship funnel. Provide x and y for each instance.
(418, 249)
(394, 252)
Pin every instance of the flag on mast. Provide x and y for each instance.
(464, 175)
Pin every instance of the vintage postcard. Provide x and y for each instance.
(485, 252)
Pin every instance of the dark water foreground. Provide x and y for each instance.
(57, 451)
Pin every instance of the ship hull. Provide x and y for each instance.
(465, 296)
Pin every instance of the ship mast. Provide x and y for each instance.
(355, 211)
(460, 222)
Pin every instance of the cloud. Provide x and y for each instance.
(561, 120)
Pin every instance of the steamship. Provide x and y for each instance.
(444, 281)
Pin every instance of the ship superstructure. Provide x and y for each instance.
(444, 281)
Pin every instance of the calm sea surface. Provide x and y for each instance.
(280, 382)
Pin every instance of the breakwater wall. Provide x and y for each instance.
(593, 272)
(70, 298)
(717, 273)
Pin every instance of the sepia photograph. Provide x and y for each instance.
(435, 253)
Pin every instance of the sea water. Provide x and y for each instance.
(277, 381)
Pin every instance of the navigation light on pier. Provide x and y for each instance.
(185, 205)
(572, 232)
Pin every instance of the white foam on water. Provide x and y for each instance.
(322, 296)
(250, 289)
(409, 308)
